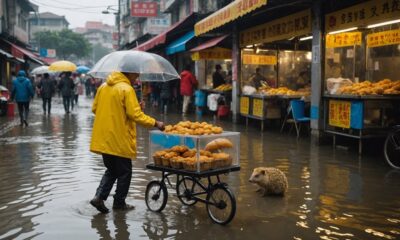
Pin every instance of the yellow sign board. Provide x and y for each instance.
(361, 15)
(283, 28)
(383, 38)
(244, 105)
(258, 107)
(339, 113)
(212, 54)
(253, 59)
(230, 12)
(343, 39)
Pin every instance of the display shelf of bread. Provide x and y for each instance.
(196, 153)
(224, 87)
(383, 87)
(193, 128)
(284, 91)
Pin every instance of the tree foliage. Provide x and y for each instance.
(65, 42)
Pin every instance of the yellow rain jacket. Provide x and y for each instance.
(117, 111)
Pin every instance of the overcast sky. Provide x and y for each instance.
(78, 12)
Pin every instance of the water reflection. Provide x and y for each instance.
(47, 176)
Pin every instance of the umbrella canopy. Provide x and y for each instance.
(62, 66)
(151, 67)
(40, 70)
(82, 69)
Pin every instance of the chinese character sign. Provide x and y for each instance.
(212, 54)
(361, 15)
(283, 28)
(252, 59)
(258, 107)
(244, 105)
(339, 113)
(383, 38)
(144, 9)
(343, 39)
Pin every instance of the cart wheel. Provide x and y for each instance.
(185, 189)
(156, 196)
(221, 205)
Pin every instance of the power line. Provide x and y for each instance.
(70, 8)
(63, 8)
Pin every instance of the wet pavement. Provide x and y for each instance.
(48, 176)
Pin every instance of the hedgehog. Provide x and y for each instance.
(271, 181)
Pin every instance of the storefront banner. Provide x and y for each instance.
(258, 107)
(253, 59)
(244, 105)
(216, 53)
(230, 12)
(343, 39)
(144, 9)
(339, 113)
(297, 24)
(361, 15)
(383, 38)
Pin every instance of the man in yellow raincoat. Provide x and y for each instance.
(117, 111)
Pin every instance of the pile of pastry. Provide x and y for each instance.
(193, 128)
(281, 91)
(224, 87)
(385, 86)
(181, 157)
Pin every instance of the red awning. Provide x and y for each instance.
(19, 52)
(162, 37)
(211, 43)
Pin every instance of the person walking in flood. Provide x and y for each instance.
(66, 87)
(46, 88)
(188, 83)
(117, 111)
(22, 93)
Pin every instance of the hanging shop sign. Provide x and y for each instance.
(216, 53)
(361, 15)
(297, 24)
(230, 12)
(143, 9)
(339, 113)
(244, 105)
(383, 38)
(343, 39)
(253, 59)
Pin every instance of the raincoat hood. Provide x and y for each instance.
(117, 77)
(185, 73)
(21, 73)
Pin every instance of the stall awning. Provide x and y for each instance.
(209, 44)
(227, 14)
(214, 53)
(179, 45)
(19, 52)
(6, 54)
(162, 37)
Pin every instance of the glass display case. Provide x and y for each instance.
(196, 153)
(210, 69)
(294, 69)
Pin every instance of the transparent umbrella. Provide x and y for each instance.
(151, 67)
(40, 70)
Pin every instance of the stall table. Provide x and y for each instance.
(347, 115)
(264, 107)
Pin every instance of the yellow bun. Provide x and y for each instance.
(217, 144)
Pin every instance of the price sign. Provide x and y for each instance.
(258, 107)
(244, 105)
(339, 113)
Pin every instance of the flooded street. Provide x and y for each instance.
(48, 176)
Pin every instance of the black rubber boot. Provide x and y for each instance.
(99, 205)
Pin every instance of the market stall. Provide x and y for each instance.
(208, 57)
(361, 71)
(276, 66)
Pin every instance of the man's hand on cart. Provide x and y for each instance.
(159, 125)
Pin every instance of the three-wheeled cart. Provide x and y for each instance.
(191, 186)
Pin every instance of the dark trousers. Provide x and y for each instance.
(67, 103)
(46, 102)
(118, 169)
(74, 100)
(23, 110)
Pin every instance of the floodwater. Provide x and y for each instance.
(48, 176)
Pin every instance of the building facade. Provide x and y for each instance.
(47, 21)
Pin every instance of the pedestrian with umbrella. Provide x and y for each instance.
(22, 93)
(117, 111)
(66, 84)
